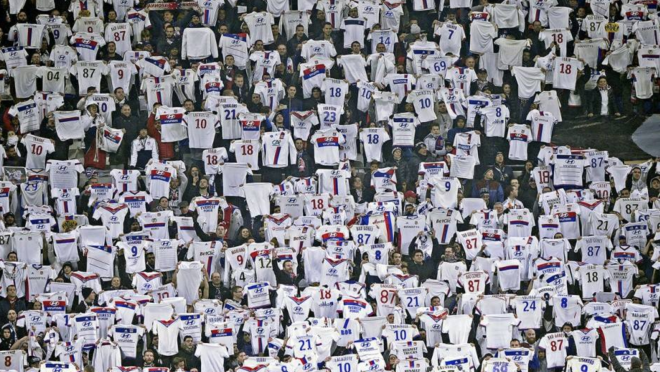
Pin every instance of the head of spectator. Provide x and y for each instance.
(459, 122)
(511, 192)
(9, 218)
(485, 195)
(115, 283)
(636, 173)
(397, 153)
(418, 256)
(396, 258)
(151, 259)
(625, 193)
(88, 295)
(149, 358)
(530, 336)
(410, 197)
(237, 293)
(356, 48)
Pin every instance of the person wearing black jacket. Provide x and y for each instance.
(240, 89)
(187, 353)
(47, 130)
(11, 302)
(424, 269)
(360, 193)
(158, 22)
(596, 97)
(304, 165)
(131, 126)
(640, 364)
(286, 275)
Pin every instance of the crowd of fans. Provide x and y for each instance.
(291, 186)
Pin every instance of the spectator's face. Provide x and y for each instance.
(299, 145)
(195, 20)
(300, 31)
(11, 314)
(530, 336)
(239, 81)
(327, 29)
(115, 282)
(256, 98)
(396, 259)
(203, 183)
(6, 333)
(188, 343)
(11, 291)
(514, 192)
(229, 60)
(449, 252)
(148, 357)
(488, 175)
(288, 267)
(126, 111)
(151, 259)
(259, 45)
(418, 257)
(381, 48)
(223, 30)
(169, 32)
(281, 49)
(292, 91)
(470, 62)
(537, 26)
(215, 278)
(112, 47)
(188, 105)
(355, 48)
(515, 183)
(625, 193)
